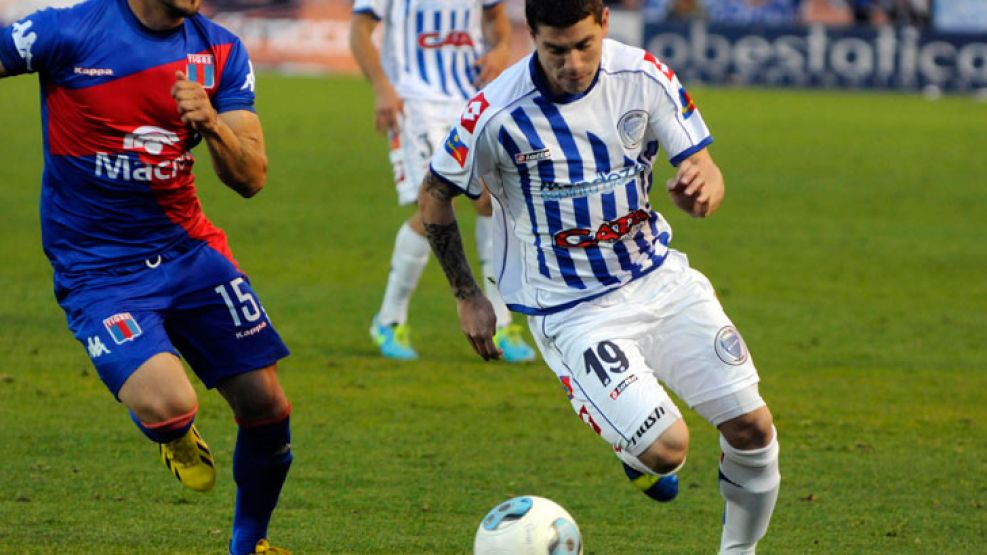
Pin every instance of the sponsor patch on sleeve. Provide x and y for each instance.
(456, 148)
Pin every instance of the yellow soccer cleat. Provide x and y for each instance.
(265, 548)
(190, 460)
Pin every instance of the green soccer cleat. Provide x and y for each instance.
(509, 340)
(190, 460)
(394, 340)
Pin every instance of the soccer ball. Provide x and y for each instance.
(528, 525)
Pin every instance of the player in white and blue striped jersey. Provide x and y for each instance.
(565, 140)
(433, 57)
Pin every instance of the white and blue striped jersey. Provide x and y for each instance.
(571, 174)
(430, 47)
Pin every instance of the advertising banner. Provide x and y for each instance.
(855, 57)
(297, 36)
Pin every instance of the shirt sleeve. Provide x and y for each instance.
(32, 44)
(463, 158)
(236, 86)
(373, 8)
(674, 118)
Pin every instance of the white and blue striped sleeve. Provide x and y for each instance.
(464, 158)
(674, 118)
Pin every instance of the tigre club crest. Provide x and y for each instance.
(631, 128)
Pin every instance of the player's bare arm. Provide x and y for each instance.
(387, 104)
(497, 34)
(697, 186)
(476, 314)
(235, 139)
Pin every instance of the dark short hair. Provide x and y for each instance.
(561, 13)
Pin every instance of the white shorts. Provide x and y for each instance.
(423, 129)
(613, 354)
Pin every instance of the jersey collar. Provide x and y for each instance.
(538, 78)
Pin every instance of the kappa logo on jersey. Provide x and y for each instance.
(122, 327)
(23, 41)
(456, 148)
(93, 71)
(688, 106)
(201, 68)
(662, 68)
(730, 347)
(533, 156)
(96, 347)
(436, 40)
(631, 128)
(474, 109)
(250, 82)
(150, 139)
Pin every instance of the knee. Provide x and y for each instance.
(256, 396)
(749, 431)
(668, 452)
(165, 407)
(267, 406)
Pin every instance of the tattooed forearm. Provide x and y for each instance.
(439, 219)
(448, 247)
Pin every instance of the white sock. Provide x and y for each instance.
(484, 249)
(749, 482)
(407, 264)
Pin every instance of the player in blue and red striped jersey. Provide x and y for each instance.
(566, 144)
(433, 59)
(128, 88)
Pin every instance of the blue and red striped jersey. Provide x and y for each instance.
(117, 186)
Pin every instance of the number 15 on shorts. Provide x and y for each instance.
(245, 305)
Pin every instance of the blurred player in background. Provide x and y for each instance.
(566, 141)
(431, 62)
(128, 88)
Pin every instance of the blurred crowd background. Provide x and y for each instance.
(945, 15)
(907, 45)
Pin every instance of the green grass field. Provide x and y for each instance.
(850, 251)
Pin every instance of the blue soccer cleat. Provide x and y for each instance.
(660, 488)
(508, 339)
(394, 340)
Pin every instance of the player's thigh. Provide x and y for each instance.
(224, 331)
(117, 336)
(697, 351)
(218, 322)
(610, 385)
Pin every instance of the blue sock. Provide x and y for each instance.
(168, 430)
(260, 464)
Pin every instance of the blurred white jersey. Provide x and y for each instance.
(430, 47)
(571, 174)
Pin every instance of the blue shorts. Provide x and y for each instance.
(194, 304)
